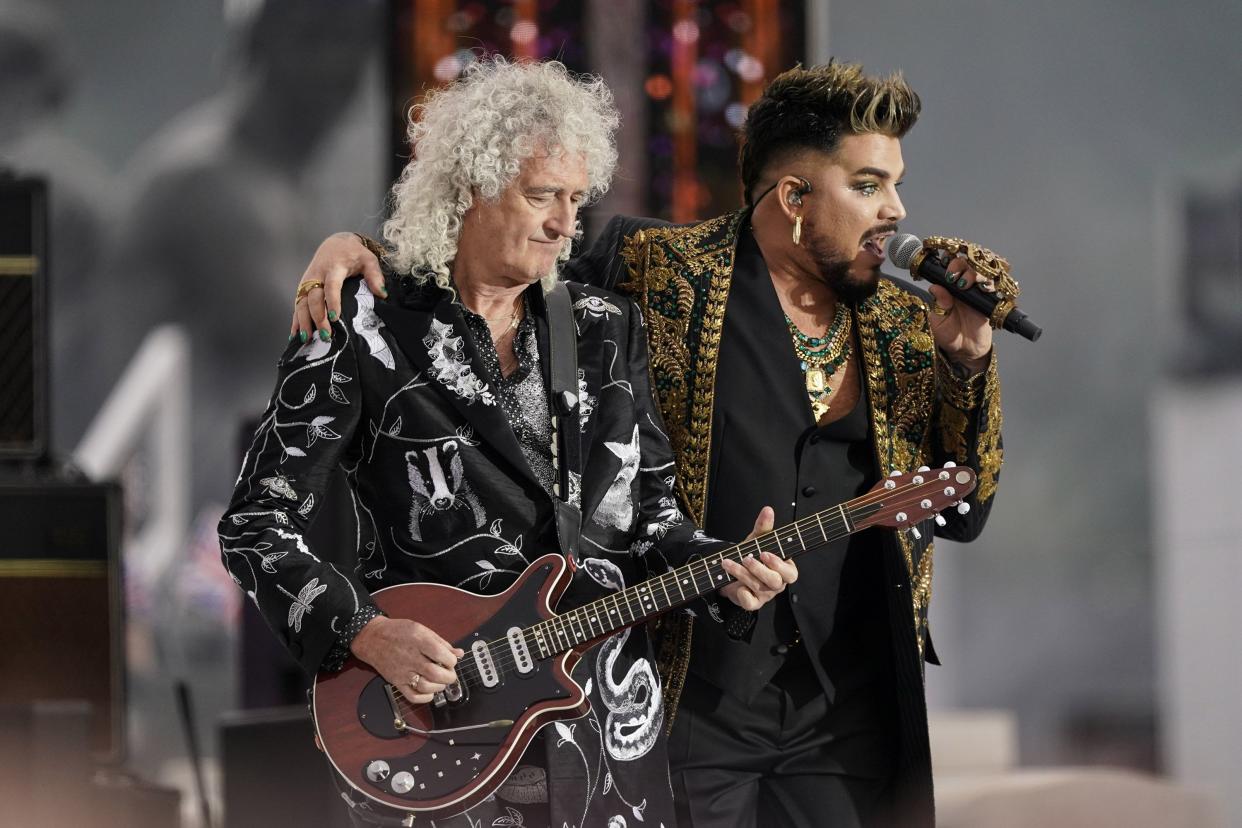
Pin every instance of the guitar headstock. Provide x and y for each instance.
(902, 500)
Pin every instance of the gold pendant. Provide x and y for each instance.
(819, 409)
(815, 380)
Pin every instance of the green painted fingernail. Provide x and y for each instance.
(325, 336)
(290, 339)
(302, 335)
(331, 316)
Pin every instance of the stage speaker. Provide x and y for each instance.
(61, 604)
(23, 318)
(274, 774)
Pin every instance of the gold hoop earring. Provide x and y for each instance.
(797, 231)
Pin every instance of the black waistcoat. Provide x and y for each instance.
(766, 450)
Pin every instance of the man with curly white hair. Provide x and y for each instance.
(437, 405)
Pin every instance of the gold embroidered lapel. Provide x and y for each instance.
(680, 277)
(899, 359)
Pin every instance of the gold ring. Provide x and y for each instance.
(305, 288)
(939, 311)
(415, 678)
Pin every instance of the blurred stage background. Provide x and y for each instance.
(194, 153)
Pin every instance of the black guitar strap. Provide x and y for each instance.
(566, 430)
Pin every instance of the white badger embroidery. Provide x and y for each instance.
(437, 479)
(449, 365)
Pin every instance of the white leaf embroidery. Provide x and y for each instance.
(310, 395)
(338, 395)
(341, 378)
(638, 810)
(490, 567)
(566, 733)
(294, 451)
(395, 429)
(607, 784)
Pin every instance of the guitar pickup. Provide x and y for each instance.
(449, 695)
(521, 653)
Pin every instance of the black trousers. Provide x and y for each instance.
(791, 758)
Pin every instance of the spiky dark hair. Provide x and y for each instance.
(813, 108)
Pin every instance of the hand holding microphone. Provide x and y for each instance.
(931, 261)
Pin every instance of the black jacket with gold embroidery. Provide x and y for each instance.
(920, 413)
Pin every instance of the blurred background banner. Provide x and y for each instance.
(194, 153)
(683, 73)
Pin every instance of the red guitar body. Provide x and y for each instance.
(444, 774)
(439, 759)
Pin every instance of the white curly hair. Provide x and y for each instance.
(473, 135)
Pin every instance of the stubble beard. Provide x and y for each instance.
(835, 272)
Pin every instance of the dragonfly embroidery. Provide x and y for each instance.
(302, 601)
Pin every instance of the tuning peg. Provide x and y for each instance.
(890, 484)
(963, 508)
(949, 491)
(901, 517)
(940, 521)
(914, 533)
(896, 473)
(950, 465)
(917, 479)
(923, 469)
(944, 475)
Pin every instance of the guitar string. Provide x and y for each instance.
(767, 542)
(584, 619)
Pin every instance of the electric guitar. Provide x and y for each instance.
(440, 758)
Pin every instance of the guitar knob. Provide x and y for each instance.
(950, 465)
(403, 782)
(940, 521)
(963, 508)
(378, 770)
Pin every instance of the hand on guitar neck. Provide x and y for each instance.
(409, 655)
(758, 580)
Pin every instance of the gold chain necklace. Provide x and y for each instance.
(821, 357)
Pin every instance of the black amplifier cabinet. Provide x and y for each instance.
(61, 605)
(23, 318)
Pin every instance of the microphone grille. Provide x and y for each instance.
(901, 249)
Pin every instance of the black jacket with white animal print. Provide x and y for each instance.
(442, 493)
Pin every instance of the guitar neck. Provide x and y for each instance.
(682, 585)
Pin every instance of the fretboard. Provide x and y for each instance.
(679, 586)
